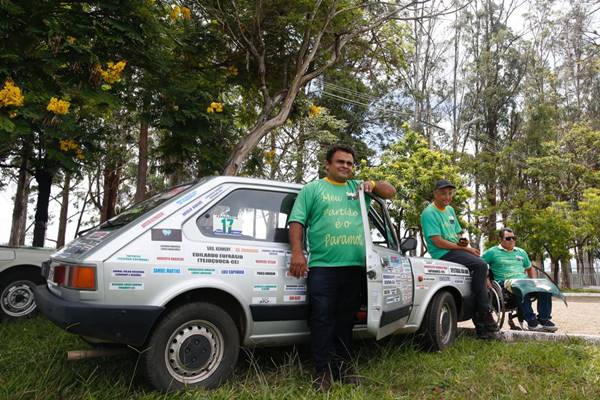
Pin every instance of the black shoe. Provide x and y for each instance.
(352, 379)
(489, 322)
(548, 326)
(533, 325)
(323, 381)
(485, 335)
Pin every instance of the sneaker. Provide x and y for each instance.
(548, 325)
(533, 325)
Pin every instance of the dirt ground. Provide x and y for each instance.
(582, 315)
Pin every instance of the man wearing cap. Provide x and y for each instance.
(330, 213)
(441, 229)
(508, 261)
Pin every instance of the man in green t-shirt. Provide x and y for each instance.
(441, 230)
(330, 213)
(507, 261)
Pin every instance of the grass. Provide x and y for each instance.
(33, 366)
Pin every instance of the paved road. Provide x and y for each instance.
(582, 315)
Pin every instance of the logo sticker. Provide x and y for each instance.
(264, 300)
(267, 287)
(201, 271)
(266, 273)
(166, 235)
(233, 272)
(166, 270)
(126, 286)
(133, 257)
(294, 298)
(295, 288)
(129, 272)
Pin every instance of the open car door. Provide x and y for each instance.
(389, 273)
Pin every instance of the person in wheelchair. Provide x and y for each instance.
(507, 261)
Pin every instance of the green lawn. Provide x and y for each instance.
(33, 366)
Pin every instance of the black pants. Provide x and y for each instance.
(479, 270)
(334, 295)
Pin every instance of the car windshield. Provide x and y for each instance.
(142, 207)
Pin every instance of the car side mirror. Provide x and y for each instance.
(408, 244)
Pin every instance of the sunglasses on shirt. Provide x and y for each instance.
(510, 238)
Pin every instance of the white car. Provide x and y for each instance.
(194, 273)
(19, 274)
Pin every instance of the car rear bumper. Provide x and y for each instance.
(119, 324)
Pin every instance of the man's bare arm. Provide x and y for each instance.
(445, 244)
(297, 261)
(382, 189)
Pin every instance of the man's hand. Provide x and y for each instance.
(298, 265)
(472, 250)
(367, 186)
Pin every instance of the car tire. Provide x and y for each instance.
(194, 345)
(440, 325)
(17, 299)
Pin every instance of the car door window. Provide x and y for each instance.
(249, 214)
(380, 226)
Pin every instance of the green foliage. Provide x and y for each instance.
(413, 168)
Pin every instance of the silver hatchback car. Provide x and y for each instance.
(197, 271)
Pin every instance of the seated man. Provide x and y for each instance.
(510, 262)
(440, 229)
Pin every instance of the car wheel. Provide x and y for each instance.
(17, 298)
(440, 323)
(196, 344)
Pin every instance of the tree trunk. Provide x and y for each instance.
(589, 275)
(555, 267)
(142, 169)
(111, 187)
(256, 134)
(565, 264)
(64, 211)
(44, 180)
(299, 175)
(19, 215)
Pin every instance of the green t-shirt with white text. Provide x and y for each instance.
(507, 264)
(435, 222)
(333, 223)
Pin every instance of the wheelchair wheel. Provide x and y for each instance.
(497, 303)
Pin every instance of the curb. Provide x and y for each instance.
(582, 294)
(516, 336)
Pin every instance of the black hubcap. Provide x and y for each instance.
(195, 352)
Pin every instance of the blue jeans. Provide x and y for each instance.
(544, 306)
(334, 296)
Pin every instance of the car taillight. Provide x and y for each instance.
(82, 277)
(60, 273)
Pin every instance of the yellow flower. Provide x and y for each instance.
(215, 107)
(113, 71)
(186, 12)
(79, 154)
(58, 106)
(11, 95)
(232, 70)
(67, 144)
(175, 13)
(71, 39)
(12, 114)
(313, 111)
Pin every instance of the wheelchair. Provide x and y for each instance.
(505, 304)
